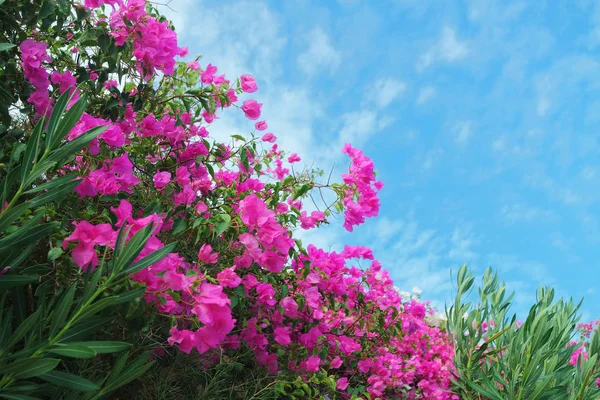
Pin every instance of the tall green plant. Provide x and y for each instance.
(497, 357)
(43, 329)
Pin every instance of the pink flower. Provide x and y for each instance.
(342, 383)
(161, 179)
(208, 75)
(228, 278)
(313, 363)
(282, 335)
(248, 83)
(336, 362)
(261, 125)
(294, 158)
(88, 236)
(194, 65)
(252, 109)
(269, 137)
(206, 256)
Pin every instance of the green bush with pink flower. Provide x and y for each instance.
(141, 258)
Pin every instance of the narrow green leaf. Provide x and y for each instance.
(69, 381)
(134, 370)
(133, 248)
(57, 112)
(24, 236)
(98, 306)
(84, 328)
(30, 367)
(12, 215)
(32, 149)
(130, 295)
(150, 259)
(8, 281)
(56, 194)
(72, 350)
(105, 347)
(66, 123)
(62, 310)
(16, 396)
(52, 184)
(68, 149)
(22, 330)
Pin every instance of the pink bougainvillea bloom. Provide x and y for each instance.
(342, 383)
(88, 236)
(108, 84)
(313, 363)
(248, 83)
(252, 109)
(228, 278)
(206, 256)
(161, 179)
(261, 125)
(294, 158)
(282, 335)
(269, 137)
(336, 362)
(208, 75)
(193, 65)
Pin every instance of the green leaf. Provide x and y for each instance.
(6, 46)
(84, 328)
(52, 184)
(240, 137)
(134, 370)
(72, 350)
(23, 329)
(69, 381)
(62, 310)
(105, 347)
(56, 194)
(130, 295)
(54, 253)
(150, 259)
(8, 281)
(30, 367)
(223, 223)
(30, 235)
(68, 149)
(32, 149)
(57, 113)
(98, 306)
(11, 215)
(68, 121)
(133, 248)
(16, 396)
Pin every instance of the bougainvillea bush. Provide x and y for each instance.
(132, 244)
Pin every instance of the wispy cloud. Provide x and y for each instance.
(516, 213)
(425, 94)
(385, 91)
(463, 131)
(320, 56)
(447, 49)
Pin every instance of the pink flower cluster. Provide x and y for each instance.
(360, 199)
(154, 43)
(295, 309)
(33, 55)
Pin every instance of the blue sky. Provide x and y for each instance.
(482, 118)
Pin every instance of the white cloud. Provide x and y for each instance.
(462, 132)
(448, 49)
(425, 94)
(320, 56)
(516, 213)
(385, 91)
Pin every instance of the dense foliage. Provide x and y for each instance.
(137, 253)
(123, 222)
